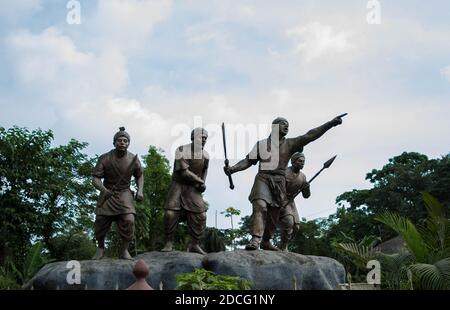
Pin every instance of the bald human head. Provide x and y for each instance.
(280, 125)
(279, 120)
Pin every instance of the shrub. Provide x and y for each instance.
(202, 279)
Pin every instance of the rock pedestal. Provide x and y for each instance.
(266, 270)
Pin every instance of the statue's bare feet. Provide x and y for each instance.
(252, 246)
(195, 248)
(284, 244)
(168, 247)
(268, 246)
(99, 254)
(284, 249)
(125, 255)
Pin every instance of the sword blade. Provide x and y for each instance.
(224, 142)
(227, 162)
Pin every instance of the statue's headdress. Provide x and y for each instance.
(121, 133)
(296, 156)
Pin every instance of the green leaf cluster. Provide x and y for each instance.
(202, 279)
(426, 262)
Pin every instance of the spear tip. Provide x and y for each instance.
(328, 163)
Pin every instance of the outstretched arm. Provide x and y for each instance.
(242, 165)
(314, 134)
(251, 159)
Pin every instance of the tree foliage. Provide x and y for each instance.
(309, 239)
(427, 260)
(13, 275)
(44, 190)
(73, 244)
(214, 240)
(150, 212)
(396, 188)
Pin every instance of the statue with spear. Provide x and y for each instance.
(268, 193)
(296, 183)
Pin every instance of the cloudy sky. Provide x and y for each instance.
(160, 67)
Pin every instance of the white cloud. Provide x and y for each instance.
(11, 11)
(87, 94)
(445, 72)
(316, 40)
(84, 90)
(199, 34)
(51, 63)
(41, 57)
(126, 24)
(106, 114)
(209, 32)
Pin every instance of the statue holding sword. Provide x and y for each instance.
(268, 193)
(116, 201)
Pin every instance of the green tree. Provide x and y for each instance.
(74, 244)
(354, 223)
(150, 212)
(231, 233)
(214, 240)
(396, 188)
(242, 233)
(44, 190)
(310, 239)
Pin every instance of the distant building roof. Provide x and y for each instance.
(392, 246)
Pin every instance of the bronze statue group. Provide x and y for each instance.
(272, 196)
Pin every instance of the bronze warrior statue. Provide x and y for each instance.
(268, 194)
(295, 184)
(116, 201)
(184, 199)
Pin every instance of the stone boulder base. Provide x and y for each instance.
(269, 270)
(265, 269)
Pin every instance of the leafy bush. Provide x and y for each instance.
(425, 264)
(11, 277)
(8, 283)
(72, 245)
(202, 279)
(213, 240)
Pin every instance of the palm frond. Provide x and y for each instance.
(360, 253)
(394, 269)
(393, 262)
(434, 207)
(433, 276)
(437, 226)
(409, 233)
(33, 261)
